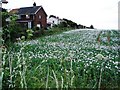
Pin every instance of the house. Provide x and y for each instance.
(53, 20)
(31, 17)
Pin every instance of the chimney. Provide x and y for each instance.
(34, 4)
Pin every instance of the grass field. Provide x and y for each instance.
(73, 59)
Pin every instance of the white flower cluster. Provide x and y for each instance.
(79, 46)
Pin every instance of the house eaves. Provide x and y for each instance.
(38, 10)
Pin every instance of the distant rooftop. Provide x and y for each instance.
(14, 11)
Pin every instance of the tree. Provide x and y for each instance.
(12, 30)
(62, 25)
(70, 23)
(91, 27)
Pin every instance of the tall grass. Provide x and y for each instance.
(66, 60)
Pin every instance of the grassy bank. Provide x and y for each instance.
(81, 59)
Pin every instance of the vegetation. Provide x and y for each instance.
(91, 27)
(70, 23)
(66, 60)
(61, 59)
(56, 30)
(12, 31)
(4, 16)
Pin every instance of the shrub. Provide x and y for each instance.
(12, 30)
(29, 33)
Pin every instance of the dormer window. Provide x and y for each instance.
(27, 16)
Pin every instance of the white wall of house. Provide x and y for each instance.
(53, 21)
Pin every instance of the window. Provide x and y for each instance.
(29, 24)
(27, 16)
(38, 25)
(40, 17)
(53, 22)
(19, 17)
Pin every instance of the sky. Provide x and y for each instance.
(102, 14)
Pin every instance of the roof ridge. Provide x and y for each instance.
(29, 10)
(30, 7)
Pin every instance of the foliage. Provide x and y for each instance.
(23, 38)
(56, 30)
(62, 25)
(91, 27)
(4, 15)
(29, 33)
(12, 30)
(70, 23)
(66, 60)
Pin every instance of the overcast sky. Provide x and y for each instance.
(103, 14)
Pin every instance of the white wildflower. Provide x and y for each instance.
(100, 56)
(23, 37)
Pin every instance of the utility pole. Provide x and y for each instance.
(2, 2)
(1, 73)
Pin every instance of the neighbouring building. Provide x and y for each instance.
(31, 17)
(53, 20)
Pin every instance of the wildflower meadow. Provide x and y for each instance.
(72, 59)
